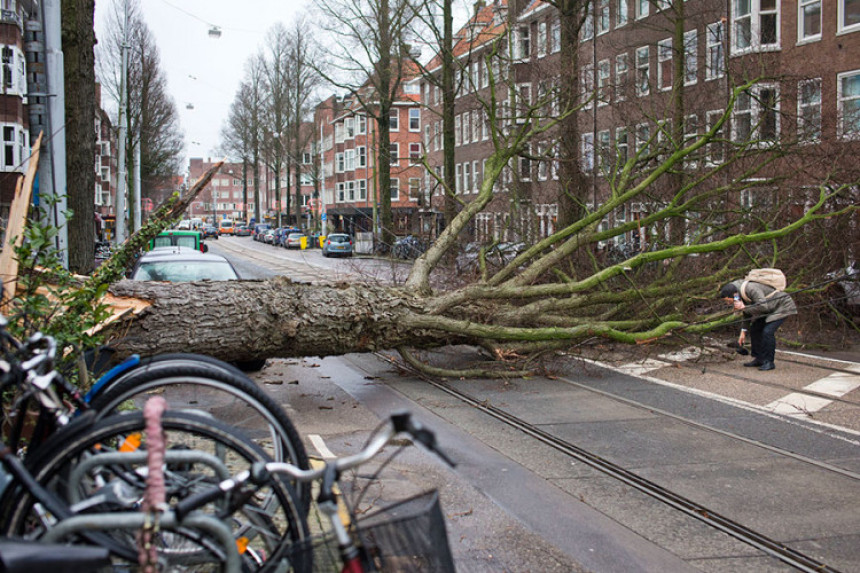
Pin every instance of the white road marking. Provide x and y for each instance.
(319, 444)
(797, 404)
(650, 364)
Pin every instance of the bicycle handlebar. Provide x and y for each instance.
(260, 473)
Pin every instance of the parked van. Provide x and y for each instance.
(225, 227)
(177, 238)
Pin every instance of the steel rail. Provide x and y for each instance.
(719, 522)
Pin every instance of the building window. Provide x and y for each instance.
(349, 160)
(485, 125)
(437, 136)
(555, 35)
(716, 59)
(715, 153)
(415, 189)
(809, 20)
(340, 193)
(664, 64)
(458, 170)
(621, 67)
(809, 110)
(621, 10)
(394, 120)
(105, 173)
(362, 124)
(586, 81)
(395, 189)
(414, 119)
(587, 31)
(691, 57)
(642, 7)
(338, 163)
(457, 120)
(603, 95)
(350, 191)
(524, 43)
(643, 139)
(415, 153)
(755, 25)
(643, 71)
(362, 156)
(541, 39)
(848, 16)
(602, 16)
(525, 167)
(542, 163)
(349, 127)
(621, 146)
(587, 152)
(467, 177)
(604, 147)
(362, 189)
(475, 177)
(756, 115)
(395, 154)
(848, 102)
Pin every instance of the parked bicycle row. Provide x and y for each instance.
(79, 475)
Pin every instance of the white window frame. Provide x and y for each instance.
(361, 128)
(841, 99)
(622, 11)
(414, 183)
(755, 115)
(586, 86)
(458, 169)
(349, 160)
(394, 160)
(394, 119)
(754, 17)
(604, 147)
(603, 22)
(841, 28)
(664, 55)
(802, 5)
(806, 110)
(622, 146)
(643, 70)
(395, 188)
(691, 57)
(349, 127)
(604, 90)
(541, 39)
(555, 36)
(361, 156)
(642, 8)
(362, 189)
(467, 177)
(524, 42)
(622, 71)
(586, 155)
(414, 114)
(542, 167)
(457, 138)
(715, 50)
(415, 154)
(586, 32)
(712, 117)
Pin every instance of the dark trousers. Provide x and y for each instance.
(763, 338)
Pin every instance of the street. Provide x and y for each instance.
(621, 462)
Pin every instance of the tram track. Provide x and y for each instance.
(713, 519)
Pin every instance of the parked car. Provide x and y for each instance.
(337, 244)
(210, 232)
(243, 231)
(182, 264)
(294, 240)
(268, 236)
(258, 230)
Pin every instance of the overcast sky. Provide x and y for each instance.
(203, 73)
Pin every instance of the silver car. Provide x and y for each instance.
(337, 244)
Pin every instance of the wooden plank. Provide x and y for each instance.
(15, 229)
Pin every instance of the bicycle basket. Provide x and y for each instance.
(408, 536)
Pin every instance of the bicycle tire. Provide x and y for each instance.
(185, 384)
(53, 465)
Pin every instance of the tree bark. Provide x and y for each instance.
(78, 38)
(245, 320)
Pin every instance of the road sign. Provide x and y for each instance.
(323, 217)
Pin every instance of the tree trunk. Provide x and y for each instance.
(245, 320)
(78, 41)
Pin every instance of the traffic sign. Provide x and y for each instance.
(323, 217)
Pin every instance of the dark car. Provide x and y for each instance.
(182, 264)
(258, 230)
(337, 244)
(210, 232)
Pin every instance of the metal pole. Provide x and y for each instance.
(52, 173)
(137, 189)
(122, 175)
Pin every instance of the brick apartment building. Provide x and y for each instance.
(347, 149)
(803, 55)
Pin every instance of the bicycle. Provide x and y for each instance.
(188, 379)
(406, 536)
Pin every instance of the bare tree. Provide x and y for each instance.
(153, 118)
(371, 60)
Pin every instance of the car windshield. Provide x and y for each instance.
(184, 271)
(339, 238)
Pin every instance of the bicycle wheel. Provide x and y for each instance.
(81, 467)
(225, 393)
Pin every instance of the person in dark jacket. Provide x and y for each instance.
(764, 310)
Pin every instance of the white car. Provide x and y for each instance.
(182, 264)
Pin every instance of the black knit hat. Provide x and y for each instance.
(728, 291)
